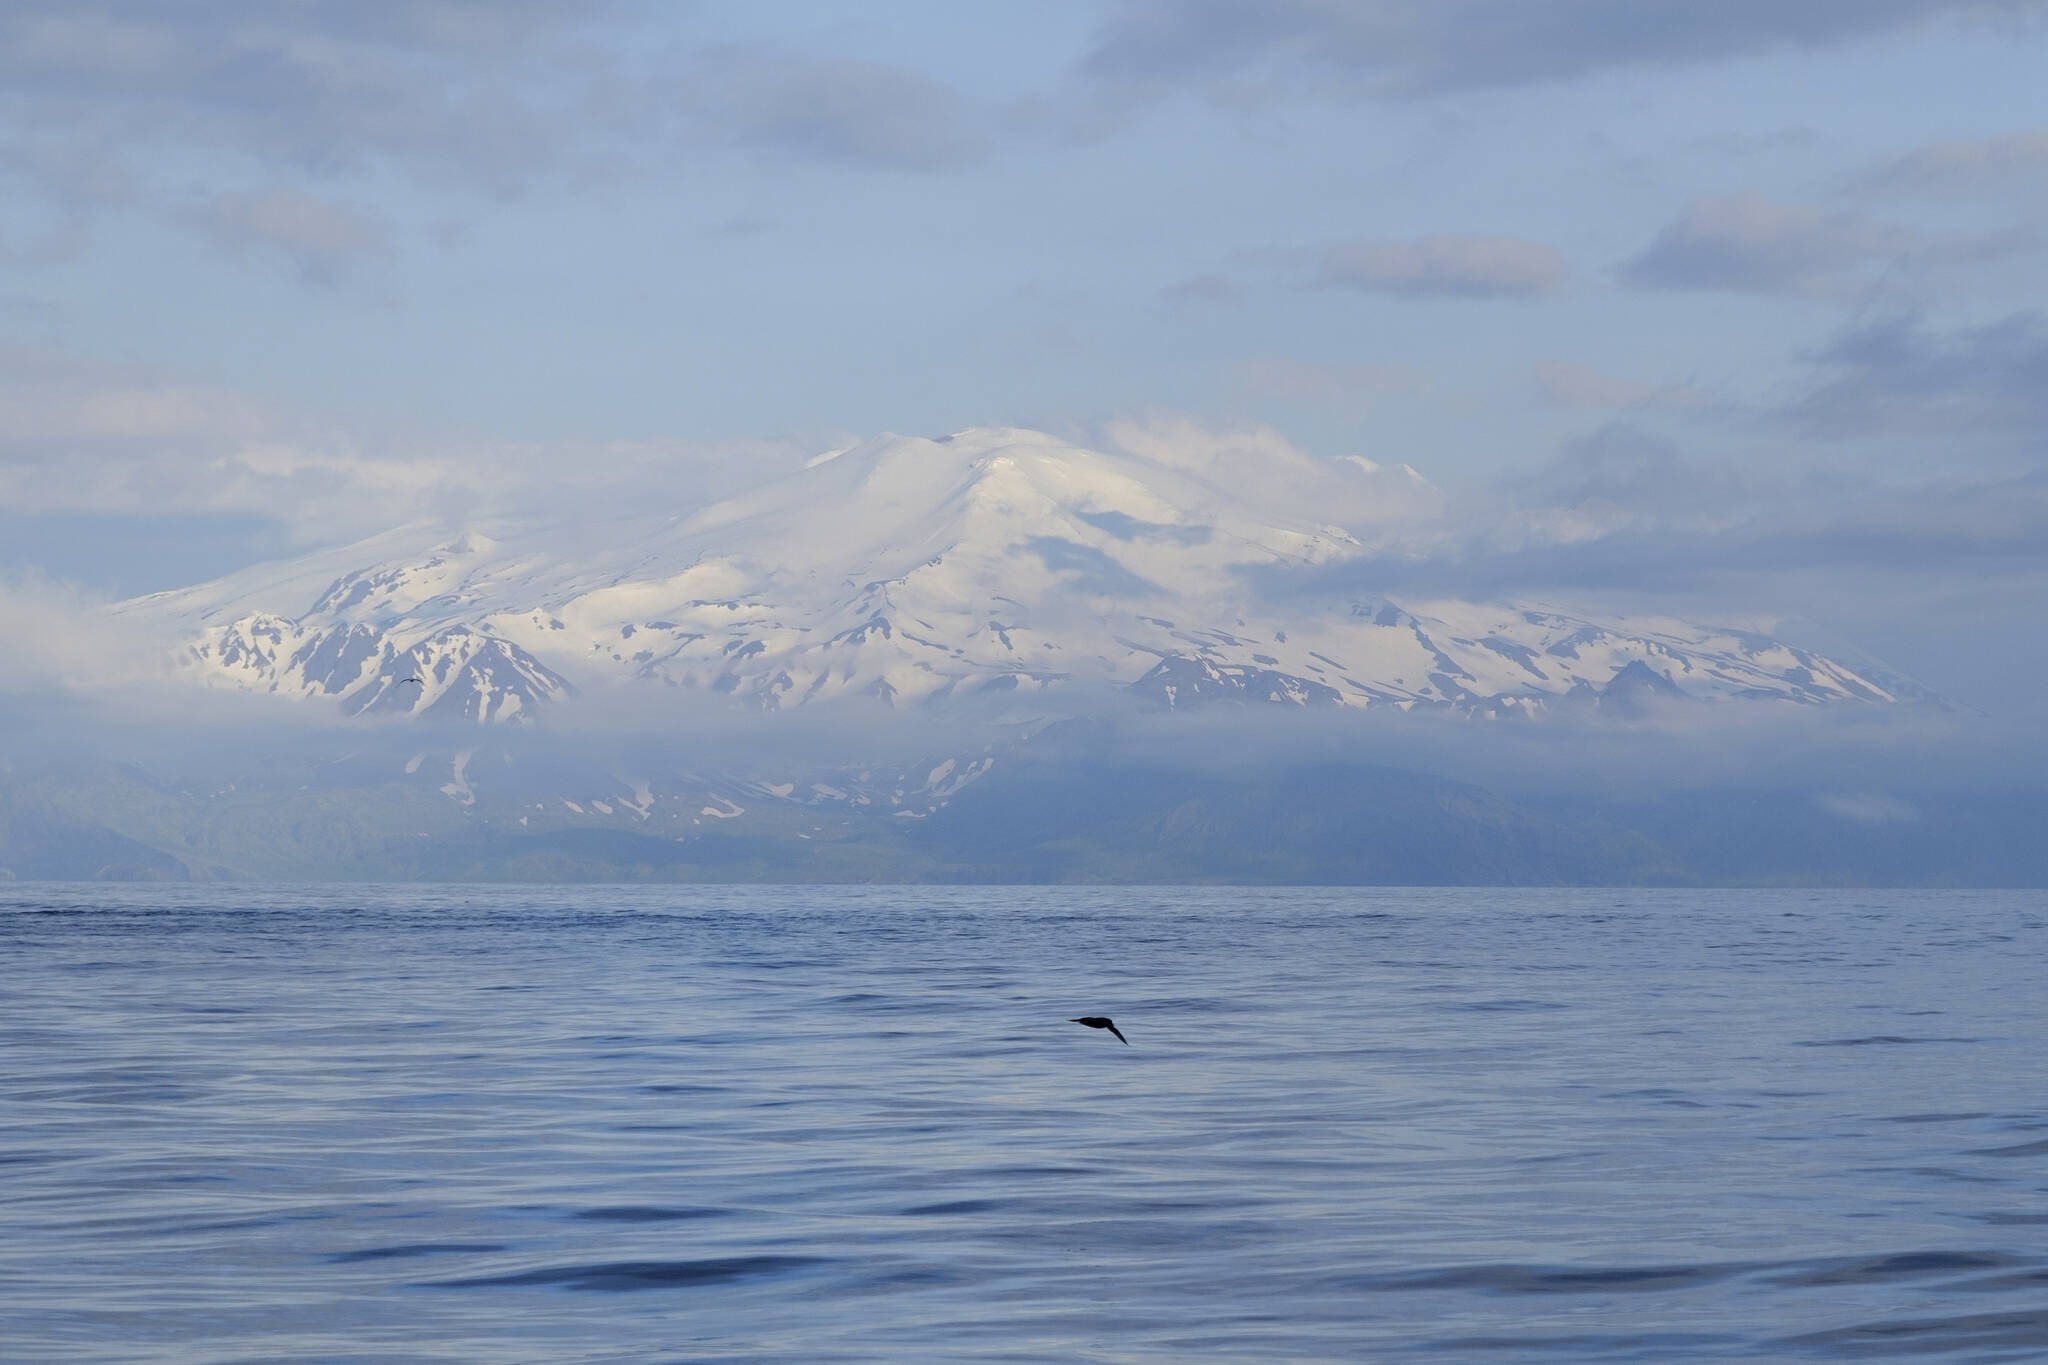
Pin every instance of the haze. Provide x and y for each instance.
(1728, 313)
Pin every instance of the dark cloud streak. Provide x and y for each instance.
(858, 113)
(325, 241)
(1895, 376)
(1997, 166)
(1749, 244)
(272, 117)
(322, 87)
(1445, 266)
(1268, 49)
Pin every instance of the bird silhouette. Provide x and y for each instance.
(1099, 1021)
(421, 681)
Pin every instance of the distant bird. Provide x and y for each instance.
(421, 681)
(1098, 1021)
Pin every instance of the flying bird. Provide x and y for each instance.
(1098, 1021)
(421, 681)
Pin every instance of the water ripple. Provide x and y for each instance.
(618, 1276)
(523, 1125)
(409, 1250)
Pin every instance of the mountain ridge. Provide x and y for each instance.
(998, 564)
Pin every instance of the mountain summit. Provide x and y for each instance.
(991, 561)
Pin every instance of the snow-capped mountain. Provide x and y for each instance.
(991, 563)
(458, 672)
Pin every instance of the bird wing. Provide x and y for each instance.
(1118, 1032)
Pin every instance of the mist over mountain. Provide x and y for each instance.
(995, 655)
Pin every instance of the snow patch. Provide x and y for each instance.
(643, 798)
(458, 789)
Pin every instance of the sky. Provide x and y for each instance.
(1739, 308)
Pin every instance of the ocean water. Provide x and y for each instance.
(852, 1124)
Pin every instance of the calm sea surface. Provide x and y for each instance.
(602, 1124)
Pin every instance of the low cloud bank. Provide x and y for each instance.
(1918, 751)
(172, 781)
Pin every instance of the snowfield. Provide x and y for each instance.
(992, 561)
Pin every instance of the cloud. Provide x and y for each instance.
(1088, 569)
(859, 113)
(452, 87)
(1384, 505)
(1748, 243)
(1895, 487)
(1943, 579)
(63, 185)
(122, 457)
(1443, 267)
(126, 105)
(470, 94)
(1970, 386)
(1262, 50)
(1206, 288)
(60, 636)
(56, 403)
(1997, 165)
(324, 240)
(76, 436)
(1626, 508)
(1126, 527)
(1581, 386)
(274, 117)
(1627, 470)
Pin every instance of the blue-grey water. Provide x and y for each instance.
(604, 1124)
